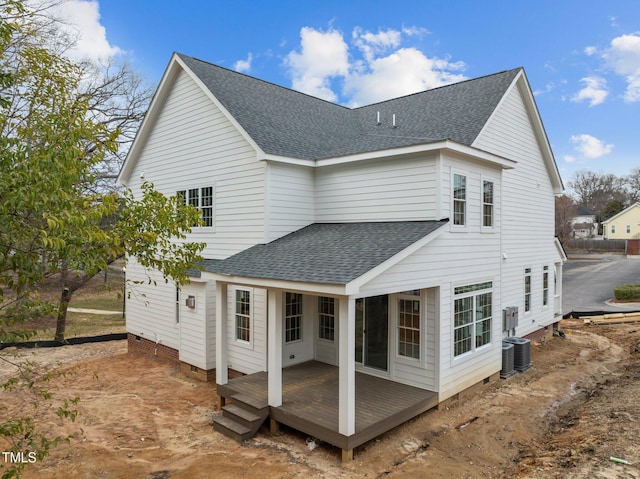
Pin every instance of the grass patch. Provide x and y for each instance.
(82, 324)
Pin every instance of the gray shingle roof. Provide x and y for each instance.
(330, 253)
(288, 123)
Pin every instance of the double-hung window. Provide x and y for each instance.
(545, 285)
(459, 200)
(473, 306)
(293, 317)
(527, 290)
(243, 315)
(487, 204)
(326, 318)
(409, 328)
(202, 200)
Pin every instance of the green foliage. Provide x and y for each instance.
(626, 292)
(52, 220)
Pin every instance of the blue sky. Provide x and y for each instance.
(582, 58)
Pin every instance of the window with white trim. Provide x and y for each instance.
(613, 228)
(243, 315)
(545, 286)
(459, 200)
(409, 328)
(487, 204)
(628, 228)
(473, 313)
(201, 199)
(293, 317)
(527, 289)
(326, 318)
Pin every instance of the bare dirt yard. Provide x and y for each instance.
(565, 417)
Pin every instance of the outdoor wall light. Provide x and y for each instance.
(191, 302)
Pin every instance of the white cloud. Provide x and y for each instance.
(590, 146)
(595, 91)
(82, 22)
(403, 72)
(589, 51)
(623, 56)
(322, 55)
(243, 66)
(377, 67)
(569, 158)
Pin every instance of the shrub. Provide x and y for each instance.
(626, 292)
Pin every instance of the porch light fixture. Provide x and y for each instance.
(191, 302)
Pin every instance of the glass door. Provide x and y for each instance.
(372, 332)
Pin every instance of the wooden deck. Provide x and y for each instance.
(310, 402)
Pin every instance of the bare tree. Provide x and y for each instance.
(632, 182)
(566, 210)
(596, 190)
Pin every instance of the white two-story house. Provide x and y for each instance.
(376, 247)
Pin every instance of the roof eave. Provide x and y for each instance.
(446, 145)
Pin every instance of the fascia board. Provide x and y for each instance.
(315, 288)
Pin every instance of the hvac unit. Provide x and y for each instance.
(509, 318)
(508, 368)
(521, 353)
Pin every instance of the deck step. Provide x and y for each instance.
(231, 428)
(241, 415)
(250, 403)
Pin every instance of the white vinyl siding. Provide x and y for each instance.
(290, 206)
(242, 356)
(197, 325)
(377, 191)
(527, 215)
(193, 145)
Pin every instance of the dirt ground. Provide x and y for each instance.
(564, 417)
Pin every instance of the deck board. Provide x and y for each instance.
(310, 402)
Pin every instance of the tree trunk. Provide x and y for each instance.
(61, 323)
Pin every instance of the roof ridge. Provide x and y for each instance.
(468, 80)
(182, 55)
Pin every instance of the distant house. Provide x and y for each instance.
(624, 225)
(583, 224)
(358, 261)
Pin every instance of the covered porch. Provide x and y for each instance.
(310, 402)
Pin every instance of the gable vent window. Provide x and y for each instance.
(201, 199)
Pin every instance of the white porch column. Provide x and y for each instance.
(347, 367)
(274, 347)
(222, 374)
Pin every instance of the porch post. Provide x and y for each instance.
(274, 349)
(222, 375)
(347, 367)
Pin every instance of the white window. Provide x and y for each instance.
(243, 315)
(473, 312)
(409, 328)
(202, 199)
(293, 317)
(487, 204)
(459, 200)
(613, 228)
(177, 305)
(545, 286)
(326, 318)
(628, 228)
(527, 290)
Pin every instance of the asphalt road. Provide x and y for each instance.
(589, 279)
